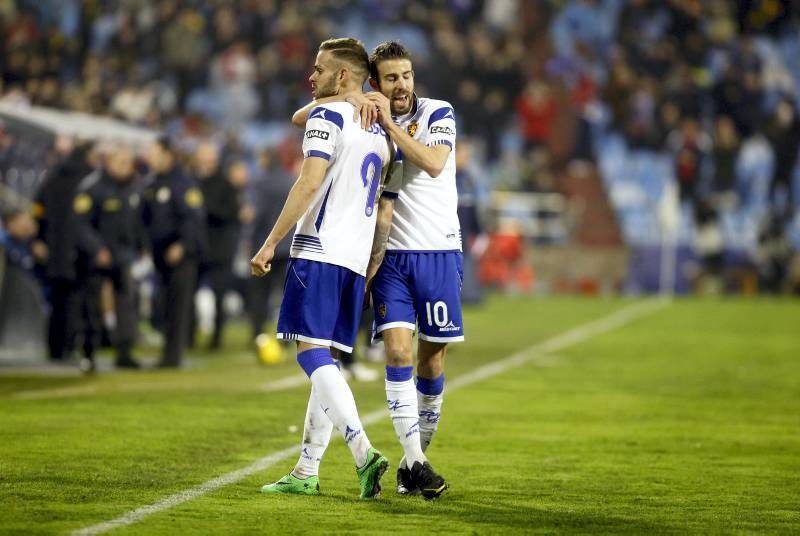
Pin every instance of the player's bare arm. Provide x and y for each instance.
(364, 108)
(383, 225)
(300, 196)
(430, 159)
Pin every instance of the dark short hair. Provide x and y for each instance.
(390, 50)
(350, 51)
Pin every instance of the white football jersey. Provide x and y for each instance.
(339, 225)
(425, 208)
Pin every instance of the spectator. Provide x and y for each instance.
(783, 133)
(53, 209)
(725, 156)
(222, 194)
(110, 236)
(174, 218)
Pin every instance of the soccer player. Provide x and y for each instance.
(333, 203)
(418, 239)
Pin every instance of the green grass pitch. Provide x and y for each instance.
(686, 419)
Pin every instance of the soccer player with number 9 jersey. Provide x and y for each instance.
(333, 203)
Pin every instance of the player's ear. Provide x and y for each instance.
(374, 84)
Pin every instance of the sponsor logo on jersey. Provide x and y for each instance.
(321, 134)
(412, 128)
(442, 130)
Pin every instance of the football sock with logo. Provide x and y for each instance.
(336, 399)
(430, 395)
(401, 397)
(317, 431)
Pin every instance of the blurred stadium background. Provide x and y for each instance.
(606, 148)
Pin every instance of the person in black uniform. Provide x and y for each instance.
(173, 215)
(56, 244)
(222, 197)
(268, 194)
(110, 238)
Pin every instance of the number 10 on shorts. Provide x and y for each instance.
(437, 313)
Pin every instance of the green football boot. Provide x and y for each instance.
(290, 484)
(369, 475)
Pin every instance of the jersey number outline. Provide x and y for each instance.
(370, 175)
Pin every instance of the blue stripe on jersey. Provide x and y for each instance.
(318, 154)
(389, 195)
(327, 115)
(318, 223)
(440, 142)
(307, 242)
(441, 113)
(398, 157)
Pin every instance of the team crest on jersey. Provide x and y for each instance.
(412, 128)
(382, 310)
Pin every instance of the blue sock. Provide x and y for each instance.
(312, 359)
(430, 387)
(399, 374)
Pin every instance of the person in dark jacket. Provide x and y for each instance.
(268, 194)
(57, 244)
(222, 195)
(174, 218)
(110, 238)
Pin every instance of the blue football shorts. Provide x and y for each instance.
(321, 304)
(420, 289)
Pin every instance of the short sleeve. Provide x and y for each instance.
(442, 127)
(323, 128)
(394, 178)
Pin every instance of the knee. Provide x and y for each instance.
(398, 354)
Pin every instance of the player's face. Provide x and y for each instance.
(396, 81)
(323, 80)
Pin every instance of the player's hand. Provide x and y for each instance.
(174, 254)
(384, 108)
(367, 297)
(261, 263)
(366, 110)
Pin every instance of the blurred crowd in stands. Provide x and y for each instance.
(699, 96)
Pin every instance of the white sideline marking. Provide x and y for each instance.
(536, 353)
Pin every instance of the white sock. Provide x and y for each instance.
(430, 409)
(430, 395)
(401, 398)
(317, 431)
(338, 403)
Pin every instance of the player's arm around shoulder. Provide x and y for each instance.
(365, 110)
(430, 158)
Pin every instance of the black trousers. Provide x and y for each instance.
(124, 288)
(64, 321)
(264, 294)
(220, 281)
(177, 285)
